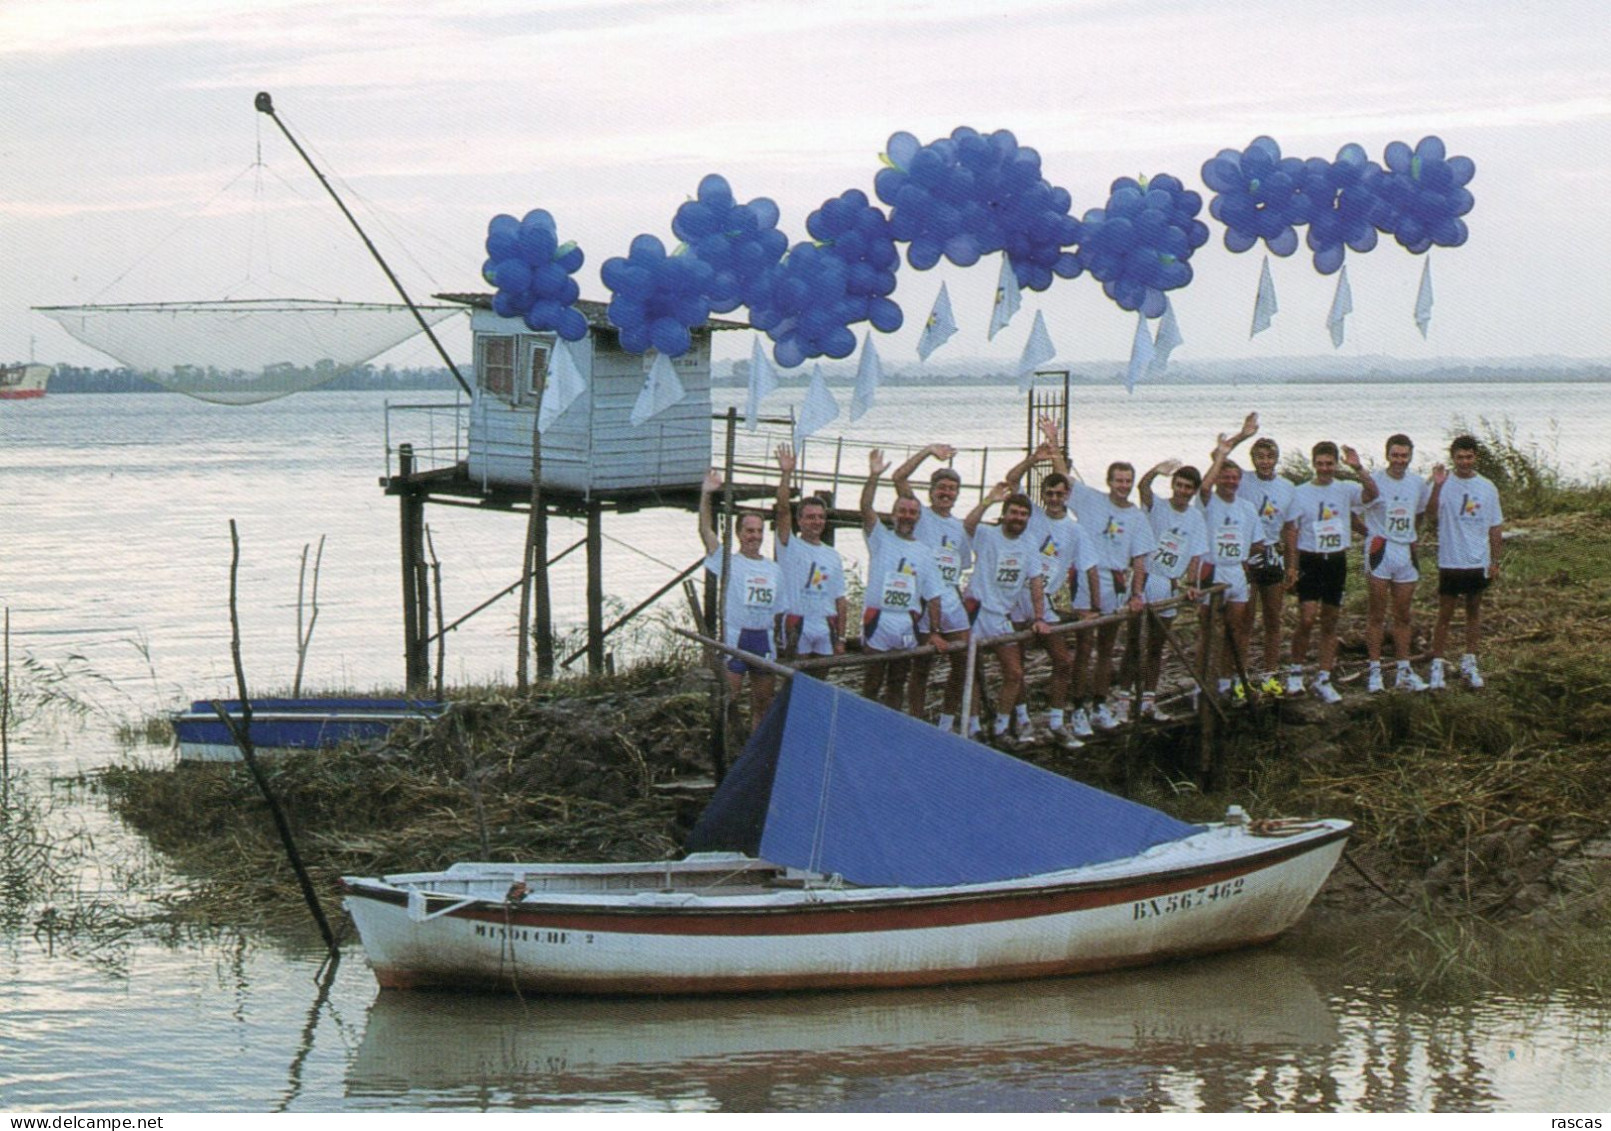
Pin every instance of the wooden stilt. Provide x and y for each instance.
(411, 513)
(595, 588)
(545, 607)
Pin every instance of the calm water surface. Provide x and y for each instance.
(114, 559)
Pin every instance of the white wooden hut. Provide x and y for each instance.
(593, 449)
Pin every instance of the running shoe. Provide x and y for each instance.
(1271, 685)
(1409, 681)
(1068, 739)
(1121, 709)
(1103, 719)
(1149, 710)
(1435, 678)
(1238, 693)
(1374, 683)
(1080, 724)
(1473, 676)
(1325, 692)
(1294, 685)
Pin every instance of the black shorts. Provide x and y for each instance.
(1322, 577)
(1461, 582)
(1267, 569)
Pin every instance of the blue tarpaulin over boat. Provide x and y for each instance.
(835, 783)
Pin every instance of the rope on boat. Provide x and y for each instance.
(1282, 826)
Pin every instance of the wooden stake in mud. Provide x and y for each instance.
(242, 734)
(5, 722)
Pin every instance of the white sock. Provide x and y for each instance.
(947, 723)
(1437, 663)
(1054, 719)
(1375, 667)
(1322, 677)
(1224, 686)
(1403, 667)
(1001, 724)
(1021, 713)
(1469, 660)
(973, 725)
(1295, 670)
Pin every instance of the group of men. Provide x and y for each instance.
(933, 578)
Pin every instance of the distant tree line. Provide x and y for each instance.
(362, 378)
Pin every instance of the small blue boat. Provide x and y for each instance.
(281, 725)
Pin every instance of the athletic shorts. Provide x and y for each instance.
(1114, 590)
(1462, 582)
(1160, 588)
(812, 637)
(1392, 561)
(1322, 577)
(756, 640)
(1237, 589)
(985, 622)
(1267, 570)
(954, 619)
(888, 631)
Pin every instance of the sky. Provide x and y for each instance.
(135, 168)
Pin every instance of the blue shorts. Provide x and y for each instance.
(756, 640)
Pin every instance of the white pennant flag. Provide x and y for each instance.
(819, 408)
(1423, 298)
(565, 383)
(1264, 307)
(661, 390)
(1141, 354)
(939, 327)
(1168, 337)
(1008, 297)
(869, 375)
(763, 382)
(1037, 352)
(1342, 305)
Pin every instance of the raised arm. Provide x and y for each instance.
(997, 494)
(1166, 467)
(1015, 474)
(903, 473)
(783, 513)
(1367, 483)
(1222, 451)
(1052, 434)
(876, 466)
(1440, 474)
(707, 522)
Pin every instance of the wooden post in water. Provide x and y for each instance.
(416, 595)
(595, 588)
(5, 721)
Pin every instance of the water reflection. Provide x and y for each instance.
(1201, 1035)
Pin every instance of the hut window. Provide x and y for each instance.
(497, 369)
(539, 371)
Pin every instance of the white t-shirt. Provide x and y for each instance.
(1065, 552)
(1233, 527)
(754, 592)
(901, 575)
(1117, 534)
(947, 539)
(1270, 499)
(1002, 568)
(813, 577)
(1180, 537)
(1322, 515)
(1467, 510)
(1391, 514)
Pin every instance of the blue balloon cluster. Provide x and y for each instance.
(808, 303)
(658, 298)
(739, 241)
(533, 273)
(1425, 189)
(971, 194)
(1419, 198)
(1138, 246)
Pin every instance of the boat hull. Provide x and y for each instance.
(23, 382)
(1230, 890)
(280, 726)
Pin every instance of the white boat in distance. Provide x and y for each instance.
(852, 846)
(23, 382)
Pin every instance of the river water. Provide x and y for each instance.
(114, 562)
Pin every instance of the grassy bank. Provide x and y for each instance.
(1476, 812)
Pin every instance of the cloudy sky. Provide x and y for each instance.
(135, 168)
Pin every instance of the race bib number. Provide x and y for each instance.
(1008, 573)
(758, 592)
(1400, 521)
(1167, 554)
(1329, 536)
(899, 592)
(950, 565)
(1230, 546)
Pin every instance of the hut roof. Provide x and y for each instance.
(596, 313)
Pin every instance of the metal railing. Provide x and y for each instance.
(438, 433)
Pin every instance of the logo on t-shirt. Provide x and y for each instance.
(816, 579)
(1327, 511)
(1112, 530)
(1048, 548)
(1268, 509)
(1469, 506)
